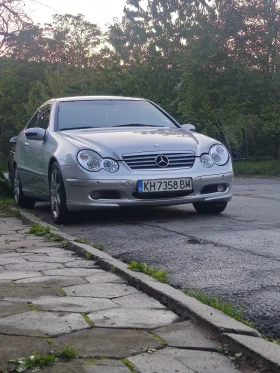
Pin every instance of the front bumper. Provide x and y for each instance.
(84, 193)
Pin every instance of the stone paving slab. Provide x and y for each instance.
(27, 266)
(17, 275)
(38, 324)
(139, 300)
(15, 347)
(9, 290)
(74, 272)
(81, 264)
(14, 259)
(50, 259)
(8, 307)
(88, 366)
(55, 281)
(172, 360)
(73, 304)
(113, 343)
(41, 250)
(105, 291)
(132, 318)
(187, 335)
(105, 277)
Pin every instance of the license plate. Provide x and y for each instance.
(164, 185)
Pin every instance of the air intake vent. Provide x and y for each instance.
(159, 160)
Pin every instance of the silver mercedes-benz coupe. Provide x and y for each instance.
(94, 151)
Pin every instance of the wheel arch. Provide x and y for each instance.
(52, 161)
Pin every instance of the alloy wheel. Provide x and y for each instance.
(55, 194)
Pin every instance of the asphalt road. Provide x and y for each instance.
(235, 255)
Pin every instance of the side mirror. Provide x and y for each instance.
(188, 127)
(35, 134)
(13, 140)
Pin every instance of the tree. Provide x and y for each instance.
(13, 19)
(68, 40)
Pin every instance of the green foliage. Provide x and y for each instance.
(39, 230)
(225, 307)
(160, 275)
(6, 189)
(129, 365)
(82, 240)
(67, 352)
(34, 361)
(98, 246)
(88, 320)
(257, 168)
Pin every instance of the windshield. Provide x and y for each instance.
(109, 113)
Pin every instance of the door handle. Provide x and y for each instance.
(26, 143)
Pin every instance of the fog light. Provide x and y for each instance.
(221, 188)
(95, 195)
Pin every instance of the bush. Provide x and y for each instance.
(6, 189)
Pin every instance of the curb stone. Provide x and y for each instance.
(238, 336)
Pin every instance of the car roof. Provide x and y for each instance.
(99, 98)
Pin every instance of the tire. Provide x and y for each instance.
(210, 207)
(59, 209)
(20, 199)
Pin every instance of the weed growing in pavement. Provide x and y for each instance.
(44, 231)
(89, 256)
(62, 291)
(129, 365)
(98, 246)
(32, 306)
(34, 361)
(39, 230)
(226, 307)
(160, 275)
(67, 352)
(88, 320)
(37, 361)
(82, 240)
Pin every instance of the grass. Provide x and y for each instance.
(129, 365)
(34, 361)
(67, 352)
(82, 240)
(37, 361)
(160, 275)
(257, 168)
(88, 320)
(225, 307)
(97, 246)
(62, 291)
(44, 231)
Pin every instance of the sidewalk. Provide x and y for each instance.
(50, 298)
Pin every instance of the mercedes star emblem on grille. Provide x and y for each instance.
(162, 161)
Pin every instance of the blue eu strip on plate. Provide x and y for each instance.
(140, 186)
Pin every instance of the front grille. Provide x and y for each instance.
(148, 161)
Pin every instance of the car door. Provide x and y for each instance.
(23, 157)
(36, 151)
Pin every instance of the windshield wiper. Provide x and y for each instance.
(76, 128)
(136, 125)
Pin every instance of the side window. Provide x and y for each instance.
(33, 121)
(41, 118)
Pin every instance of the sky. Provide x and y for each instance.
(95, 11)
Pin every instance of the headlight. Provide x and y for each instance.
(206, 160)
(219, 155)
(110, 165)
(92, 161)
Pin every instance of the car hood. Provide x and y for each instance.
(114, 142)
